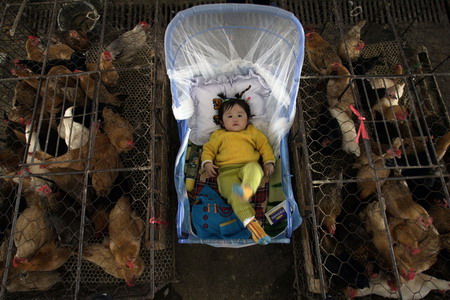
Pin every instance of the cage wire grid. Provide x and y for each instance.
(393, 27)
(406, 33)
(144, 173)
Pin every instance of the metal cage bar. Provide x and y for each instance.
(394, 29)
(144, 172)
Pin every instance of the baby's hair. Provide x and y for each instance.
(227, 105)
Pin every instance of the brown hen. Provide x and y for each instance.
(400, 204)
(329, 204)
(110, 76)
(320, 54)
(119, 130)
(48, 258)
(100, 254)
(339, 90)
(30, 234)
(125, 230)
(367, 174)
(89, 86)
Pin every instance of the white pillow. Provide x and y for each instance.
(202, 120)
(204, 91)
(256, 96)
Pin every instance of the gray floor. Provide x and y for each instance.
(251, 273)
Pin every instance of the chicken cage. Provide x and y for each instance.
(81, 140)
(376, 221)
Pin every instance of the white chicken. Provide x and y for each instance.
(75, 134)
(416, 288)
(348, 130)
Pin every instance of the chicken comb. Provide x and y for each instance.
(309, 34)
(360, 45)
(107, 55)
(32, 37)
(131, 265)
(401, 115)
(74, 34)
(336, 65)
(143, 23)
(411, 274)
(45, 189)
(129, 283)
(415, 251)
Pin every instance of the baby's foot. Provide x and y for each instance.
(243, 191)
(258, 233)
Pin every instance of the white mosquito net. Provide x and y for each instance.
(227, 47)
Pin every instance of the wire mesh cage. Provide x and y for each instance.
(85, 150)
(376, 210)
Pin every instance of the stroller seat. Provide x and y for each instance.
(221, 48)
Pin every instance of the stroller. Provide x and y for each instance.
(224, 48)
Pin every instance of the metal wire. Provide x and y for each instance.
(384, 20)
(145, 170)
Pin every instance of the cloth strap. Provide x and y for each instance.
(362, 131)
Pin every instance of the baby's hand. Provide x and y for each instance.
(210, 169)
(269, 168)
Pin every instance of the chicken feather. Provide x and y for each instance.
(119, 130)
(320, 53)
(351, 45)
(125, 47)
(125, 230)
(100, 254)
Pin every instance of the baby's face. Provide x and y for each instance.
(235, 119)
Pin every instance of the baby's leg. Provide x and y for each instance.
(251, 174)
(229, 177)
(251, 177)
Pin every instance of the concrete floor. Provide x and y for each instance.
(256, 272)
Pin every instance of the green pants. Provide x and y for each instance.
(249, 174)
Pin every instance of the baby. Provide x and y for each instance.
(233, 153)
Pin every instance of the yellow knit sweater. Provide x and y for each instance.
(227, 147)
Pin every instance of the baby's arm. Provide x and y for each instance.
(269, 168)
(210, 169)
(209, 153)
(265, 149)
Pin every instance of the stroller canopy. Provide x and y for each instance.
(211, 40)
(224, 48)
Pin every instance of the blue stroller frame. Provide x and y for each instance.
(213, 39)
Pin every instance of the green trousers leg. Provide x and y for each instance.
(249, 174)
